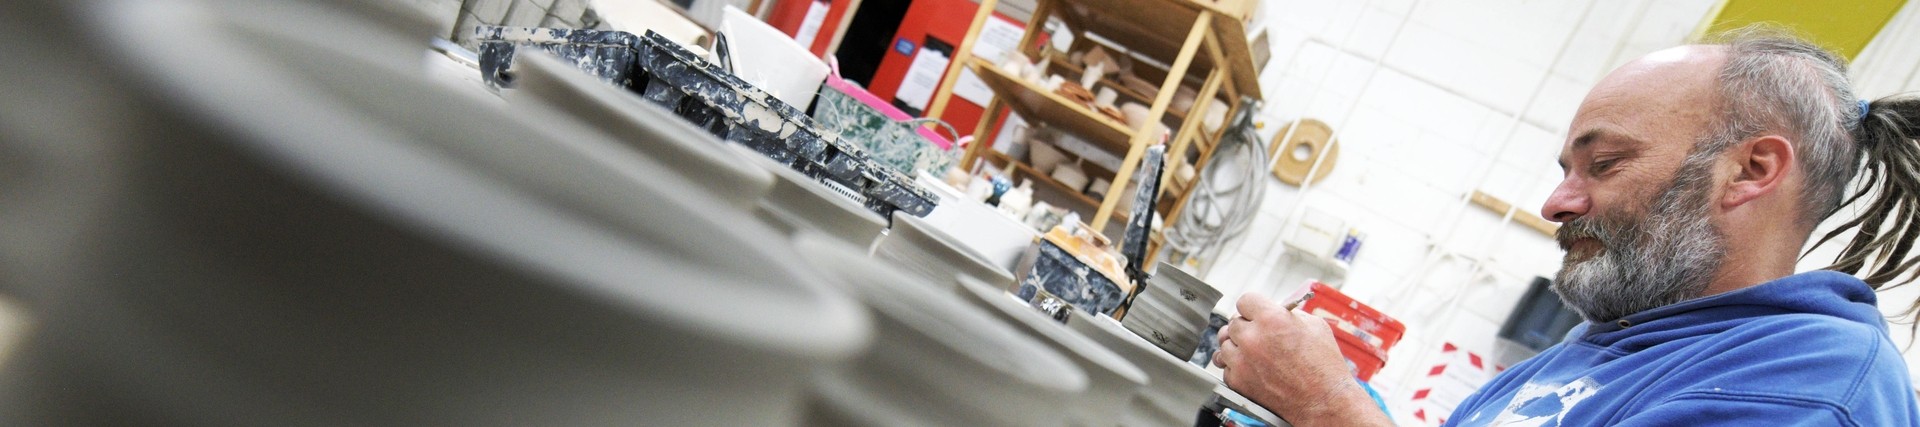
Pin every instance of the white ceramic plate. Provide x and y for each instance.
(937, 356)
(1114, 380)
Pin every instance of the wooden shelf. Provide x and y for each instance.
(1190, 38)
(1129, 94)
(1036, 104)
(1044, 182)
(1156, 28)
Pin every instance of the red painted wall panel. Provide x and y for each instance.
(946, 20)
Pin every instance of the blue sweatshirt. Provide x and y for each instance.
(1805, 350)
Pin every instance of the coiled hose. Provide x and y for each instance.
(1219, 208)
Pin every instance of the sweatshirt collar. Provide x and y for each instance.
(1820, 292)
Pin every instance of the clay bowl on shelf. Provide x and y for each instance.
(1044, 156)
(328, 238)
(936, 359)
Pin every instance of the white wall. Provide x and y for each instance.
(1889, 65)
(1432, 100)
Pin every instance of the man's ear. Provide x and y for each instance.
(1764, 163)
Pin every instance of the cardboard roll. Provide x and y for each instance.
(1295, 154)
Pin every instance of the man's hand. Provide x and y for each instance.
(1288, 362)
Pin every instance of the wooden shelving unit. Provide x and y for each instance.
(1043, 184)
(1197, 40)
(1037, 104)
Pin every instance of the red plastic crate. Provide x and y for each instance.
(1365, 334)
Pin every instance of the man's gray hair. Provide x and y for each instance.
(1774, 82)
(1852, 152)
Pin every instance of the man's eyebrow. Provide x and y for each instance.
(1584, 140)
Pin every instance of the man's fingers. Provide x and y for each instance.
(1228, 352)
(1255, 306)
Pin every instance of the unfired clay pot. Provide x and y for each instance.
(1175, 389)
(798, 203)
(918, 247)
(653, 131)
(936, 360)
(284, 224)
(1113, 380)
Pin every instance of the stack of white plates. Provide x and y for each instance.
(781, 197)
(285, 228)
(1113, 380)
(936, 360)
(1175, 389)
(918, 247)
(801, 204)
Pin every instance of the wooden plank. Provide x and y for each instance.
(1138, 145)
(1500, 207)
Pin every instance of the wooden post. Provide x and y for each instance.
(840, 31)
(1137, 147)
(1193, 125)
(972, 154)
(960, 58)
(1220, 65)
(1036, 24)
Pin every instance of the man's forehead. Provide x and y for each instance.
(1667, 91)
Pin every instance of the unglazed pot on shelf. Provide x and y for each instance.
(936, 359)
(281, 224)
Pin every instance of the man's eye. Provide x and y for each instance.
(1602, 166)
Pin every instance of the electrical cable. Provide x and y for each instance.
(1218, 211)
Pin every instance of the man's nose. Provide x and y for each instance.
(1566, 203)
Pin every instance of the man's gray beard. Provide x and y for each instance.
(1667, 257)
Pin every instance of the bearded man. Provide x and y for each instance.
(1693, 177)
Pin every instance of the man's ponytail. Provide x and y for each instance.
(1888, 223)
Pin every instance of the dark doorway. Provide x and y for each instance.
(868, 38)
